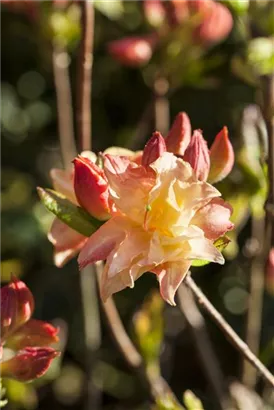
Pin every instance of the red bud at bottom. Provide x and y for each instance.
(28, 364)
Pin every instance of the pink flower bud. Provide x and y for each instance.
(28, 364)
(17, 305)
(270, 272)
(179, 135)
(154, 148)
(154, 12)
(33, 333)
(91, 187)
(197, 155)
(216, 22)
(133, 51)
(221, 157)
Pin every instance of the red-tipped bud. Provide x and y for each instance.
(132, 51)
(33, 333)
(28, 364)
(154, 148)
(91, 187)
(17, 305)
(270, 272)
(221, 157)
(197, 155)
(216, 23)
(154, 12)
(179, 135)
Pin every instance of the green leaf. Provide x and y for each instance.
(72, 215)
(220, 244)
(192, 402)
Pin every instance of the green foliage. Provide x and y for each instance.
(260, 55)
(148, 326)
(72, 215)
(192, 402)
(3, 401)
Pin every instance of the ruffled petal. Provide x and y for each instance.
(213, 218)
(126, 262)
(103, 241)
(170, 278)
(129, 186)
(67, 242)
(204, 249)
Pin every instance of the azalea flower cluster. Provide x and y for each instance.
(27, 338)
(160, 207)
(209, 22)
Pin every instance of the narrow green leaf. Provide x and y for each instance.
(72, 215)
(220, 244)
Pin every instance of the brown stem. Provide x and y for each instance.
(231, 335)
(85, 61)
(255, 303)
(61, 61)
(161, 105)
(197, 326)
(142, 127)
(91, 316)
(268, 114)
(157, 386)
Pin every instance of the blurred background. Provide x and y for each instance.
(217, 79)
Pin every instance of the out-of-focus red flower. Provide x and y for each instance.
(208, 20)
(28, 364)
(154, 12)
(133, 51)
(216, 23)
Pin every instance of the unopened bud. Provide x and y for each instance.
(197, 155)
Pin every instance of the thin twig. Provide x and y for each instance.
(88, 280)
(161, 105)
(84, 87)
(61, 61)
(197, 326)
(255, 303)
(156, 386)
(142, 128)
(231, 335)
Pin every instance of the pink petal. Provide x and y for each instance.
(213, 218)
(170, 279)
(67, 242)
(204, 249)
(133, 51)
(129, 186)
(103, 241)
